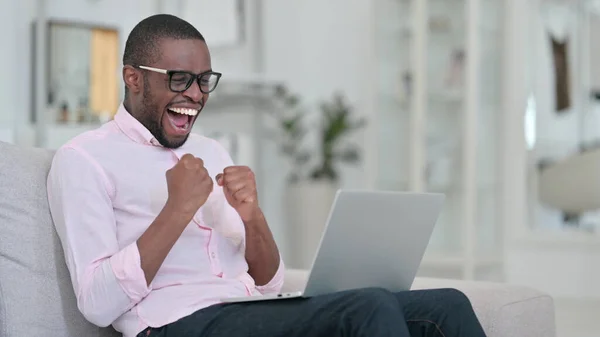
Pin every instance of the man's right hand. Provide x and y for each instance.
(189, 185)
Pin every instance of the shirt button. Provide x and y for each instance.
(213, 255)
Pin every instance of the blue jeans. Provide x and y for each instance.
(369, 312)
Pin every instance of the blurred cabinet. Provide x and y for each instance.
(437, 101)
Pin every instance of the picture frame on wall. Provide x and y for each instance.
(80, 67)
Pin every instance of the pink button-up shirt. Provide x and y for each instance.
(105, 188)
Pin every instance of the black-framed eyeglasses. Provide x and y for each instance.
(180, 80)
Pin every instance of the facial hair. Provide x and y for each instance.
(151, 118)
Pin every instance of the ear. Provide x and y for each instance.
(132, 78)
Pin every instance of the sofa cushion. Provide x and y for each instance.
(36, 295)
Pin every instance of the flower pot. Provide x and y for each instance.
(308, 204)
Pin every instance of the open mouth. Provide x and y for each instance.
(181, 119)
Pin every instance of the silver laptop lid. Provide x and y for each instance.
(373, 239)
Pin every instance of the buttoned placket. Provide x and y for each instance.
(211, 247)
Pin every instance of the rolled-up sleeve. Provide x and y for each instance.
(276, 283)
(107, 280)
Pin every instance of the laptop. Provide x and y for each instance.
(371, 239)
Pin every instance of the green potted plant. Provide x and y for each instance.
(337, 123)
(334, 125)
(315, 156)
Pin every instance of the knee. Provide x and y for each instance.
(369, 309)
(455, 298)
(374, 299)
(457, 308)
(454, 303)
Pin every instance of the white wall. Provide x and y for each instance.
(15, 17)
(567, 269)
(317, 51)
(9, 58)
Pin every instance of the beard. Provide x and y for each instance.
(151, 118)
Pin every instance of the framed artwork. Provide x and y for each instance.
(82, 67)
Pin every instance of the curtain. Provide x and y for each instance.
(104, 58)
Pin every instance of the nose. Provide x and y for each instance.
(193, 92)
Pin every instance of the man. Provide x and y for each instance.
(158, 224)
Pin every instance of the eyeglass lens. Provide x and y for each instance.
(181, 81)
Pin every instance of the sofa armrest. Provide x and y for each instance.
(504, 310)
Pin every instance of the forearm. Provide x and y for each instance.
(262, 253)
(101, 298)
(156, 242)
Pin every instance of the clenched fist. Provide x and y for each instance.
(239, 187)
(189, 185)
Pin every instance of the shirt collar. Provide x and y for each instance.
(132, 128)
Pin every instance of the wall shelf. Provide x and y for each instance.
(442, 100)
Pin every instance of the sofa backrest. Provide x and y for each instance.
(36, 295)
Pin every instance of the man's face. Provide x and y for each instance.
(169, 115)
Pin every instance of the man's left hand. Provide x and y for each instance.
(239, 187)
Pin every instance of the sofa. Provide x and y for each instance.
(37, 300)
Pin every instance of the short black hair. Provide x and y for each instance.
(141, 47)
